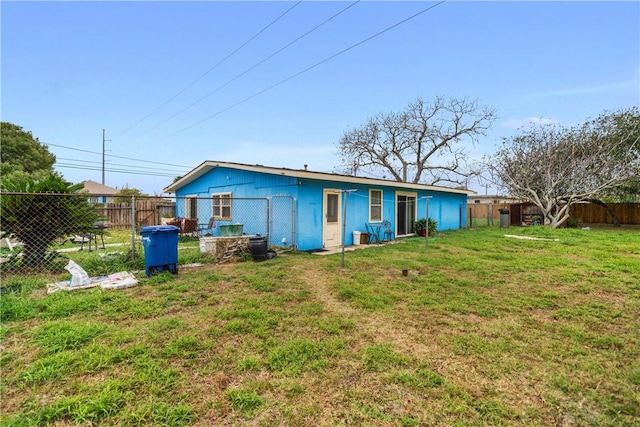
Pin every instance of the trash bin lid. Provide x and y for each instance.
(159, 228)
(503, 211)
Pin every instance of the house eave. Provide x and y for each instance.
(209, 165)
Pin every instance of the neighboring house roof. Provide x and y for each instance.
(209, 165)
(97, 188)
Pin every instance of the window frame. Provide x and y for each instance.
(333, 208)
(376, 205)
(188, 204)
(217, 206)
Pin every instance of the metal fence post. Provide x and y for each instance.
(293, 223)
(268, 201)
(345, 194)
(133, 227)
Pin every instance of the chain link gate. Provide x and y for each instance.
(282, 230)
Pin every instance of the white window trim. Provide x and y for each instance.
(371, 219)
(213, 206)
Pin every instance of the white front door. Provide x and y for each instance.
(331, 236)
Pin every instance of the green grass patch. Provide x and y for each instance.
(300, 355)
(64, 335)
(381, 357)
(420, 379)
(483, 330)
(245, 400)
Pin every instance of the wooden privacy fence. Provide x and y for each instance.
(147, 212)
(585, 213)
(628, 213)
(484, 213)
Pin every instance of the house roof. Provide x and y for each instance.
(97, 188)
(209, 165)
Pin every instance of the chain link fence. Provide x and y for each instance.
(42, 232)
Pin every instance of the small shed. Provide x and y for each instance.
(523, 214)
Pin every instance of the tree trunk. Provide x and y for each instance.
(610, 211)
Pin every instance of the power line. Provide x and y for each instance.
(84, 163)
(250, 68)
(97, 168)
(211, 69)
(311, 67)
(119, 157)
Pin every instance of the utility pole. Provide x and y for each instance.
(103, 150)
(103, 140)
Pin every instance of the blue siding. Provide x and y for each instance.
(445, 208)
(243, 184)
(448, 209)
(309, 215)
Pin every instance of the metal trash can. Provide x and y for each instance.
(504, 217)
(160, 248)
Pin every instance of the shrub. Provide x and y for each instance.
(421, 226)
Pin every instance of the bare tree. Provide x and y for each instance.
(423, 144)
(555, 167)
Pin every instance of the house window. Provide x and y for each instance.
(332, 207)
(375, 205)
(222, 206)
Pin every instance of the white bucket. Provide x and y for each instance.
(356, 237)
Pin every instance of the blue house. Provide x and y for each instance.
(309, 210)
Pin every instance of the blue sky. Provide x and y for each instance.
(72, 69)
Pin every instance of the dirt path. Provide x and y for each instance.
(372, 329)
(416, 337)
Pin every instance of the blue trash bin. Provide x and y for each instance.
(160, 248)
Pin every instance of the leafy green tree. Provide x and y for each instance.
(124, 195)
(38, 219)
(22, 155)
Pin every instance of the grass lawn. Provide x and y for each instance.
(116, 255)
(483, 330)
